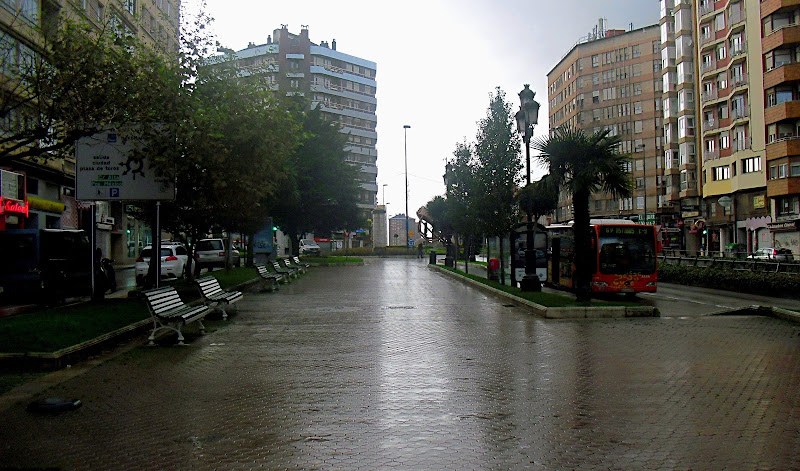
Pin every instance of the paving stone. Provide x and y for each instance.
(391, 365)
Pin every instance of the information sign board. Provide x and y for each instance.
(106, 171)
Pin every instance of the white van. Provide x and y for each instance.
(308, 246)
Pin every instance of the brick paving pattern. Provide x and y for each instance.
(394, 366)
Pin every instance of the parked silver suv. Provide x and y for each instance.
(210, 253)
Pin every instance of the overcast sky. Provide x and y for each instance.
(437, 63)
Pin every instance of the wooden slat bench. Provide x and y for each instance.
(272, 279)
(293, 266)
(213, 295)
(170, 312)
(283, 270)
(302, 264)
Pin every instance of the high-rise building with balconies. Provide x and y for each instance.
(612, 80)
(731, 124)
(679, 99)
(780, 43)
(342, 85)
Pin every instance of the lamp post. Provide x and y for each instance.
(527, 118)
(384, 194)
(406, 127)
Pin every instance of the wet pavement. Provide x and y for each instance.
(394, 366)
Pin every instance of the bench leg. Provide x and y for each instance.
(224, 312)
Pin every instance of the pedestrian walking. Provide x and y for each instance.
(419, 249)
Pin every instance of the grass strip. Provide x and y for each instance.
(56, 328)
(538, 297)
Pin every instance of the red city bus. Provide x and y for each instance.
(623, 257)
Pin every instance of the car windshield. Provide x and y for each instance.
(309, 242)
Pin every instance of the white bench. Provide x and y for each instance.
(302, 264)
(271, 278)
(293, 266)
(170, 312)
(284, 270)
(213, 295)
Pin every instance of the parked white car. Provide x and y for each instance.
(174, 257)
(769, 253)
(210, 253)
(309, 246)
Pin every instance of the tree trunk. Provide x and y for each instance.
(488, 255)
(467, 253)
(582, 279)
(502, 264)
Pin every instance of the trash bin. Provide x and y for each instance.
(494, 269)
(432, 260)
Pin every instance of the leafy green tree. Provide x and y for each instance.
(82, 81)
(320, 189)
(463, 194)
(226, 141)
(584, 164)
(497, 170)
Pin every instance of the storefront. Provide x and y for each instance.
(786, 234)
(14, 207)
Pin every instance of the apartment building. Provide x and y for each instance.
(44, 190)
(679, 98)
(780, 44)
(342, 85)
(731, 125)
(612, 79)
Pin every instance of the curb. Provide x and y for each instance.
(590, 312)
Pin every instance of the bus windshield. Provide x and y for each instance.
(626, 249)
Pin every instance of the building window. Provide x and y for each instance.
(795, 169)
(596, 60)
(130, 6)
(719, 22)
(99, 11)
(722, 173)
(752, 164)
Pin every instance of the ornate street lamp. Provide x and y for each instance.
(527, 118)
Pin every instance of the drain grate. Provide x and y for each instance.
(509, 305)
(400, 307)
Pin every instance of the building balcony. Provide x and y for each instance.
(710, 125)
(705, 10)
(785, 110)
(783, 187)
(736, 18)
(740, 113)
(710, 155)
(787, 35)
(741, 144)
(706, 67)
(689, 192)
(739, 81)
(708, 96)
(783, 147)
(769, 7)
(779, 75)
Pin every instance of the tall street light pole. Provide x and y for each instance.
(384, 194)
(527, 118)
(406, 127)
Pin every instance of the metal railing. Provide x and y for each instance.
(730, 260)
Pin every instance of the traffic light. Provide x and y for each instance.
(705, 231)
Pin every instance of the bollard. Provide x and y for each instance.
(432, 259)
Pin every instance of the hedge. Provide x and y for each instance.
(767, 284)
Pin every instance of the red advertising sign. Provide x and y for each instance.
(13, 206)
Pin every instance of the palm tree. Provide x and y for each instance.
(584, 164)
